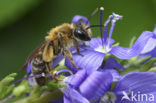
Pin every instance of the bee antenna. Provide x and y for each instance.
(95, 26)
(92, 14)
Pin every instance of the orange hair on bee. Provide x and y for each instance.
(48, 53)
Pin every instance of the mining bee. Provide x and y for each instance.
(59, 40)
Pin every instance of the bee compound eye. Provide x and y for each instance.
(79, 33)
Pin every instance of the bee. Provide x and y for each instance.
(59, 40)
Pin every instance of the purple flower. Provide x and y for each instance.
(78, 19)
(138, 86)
(98, 48)
(151, 43)
(83, 88)
(133, 87)
(93, 83)
(109, 66)
(150, 47)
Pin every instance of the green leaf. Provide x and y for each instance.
(116, 44)
(132, 41)
(136, 62)
(53, 85)
(4, 85)
(148, 65)
(22, 88)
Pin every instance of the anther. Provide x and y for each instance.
(116, 17)
(101, 8)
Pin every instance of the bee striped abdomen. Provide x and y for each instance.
(38, 67)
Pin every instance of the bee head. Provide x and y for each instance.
(82, 33)
(82, 29)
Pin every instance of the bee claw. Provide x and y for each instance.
(54, 76)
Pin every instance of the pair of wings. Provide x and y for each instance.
(34, 52)
(41, 47)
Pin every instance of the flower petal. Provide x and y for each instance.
(77, 18)
(57, 60)
(127, 53)
(78, 78)
(91, 60)
(96, 42)
(154, 31)
(151, 44)
(72, 96)
(138, 83)
(152, 53)
(115, 74)
(66, 100)
(109, 66)
(112, 63)
(59, 100)
(96, 85)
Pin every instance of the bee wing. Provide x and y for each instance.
(31, 56)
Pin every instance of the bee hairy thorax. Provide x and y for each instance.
(64, 41)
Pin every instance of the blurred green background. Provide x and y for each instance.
(25, 23)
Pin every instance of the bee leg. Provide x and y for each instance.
(68, 54)
(55, 76)
(49, 69)
(48, 66)
(78, 51)
(85, 45)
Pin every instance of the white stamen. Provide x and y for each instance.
(101, 8)
(102, 49)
